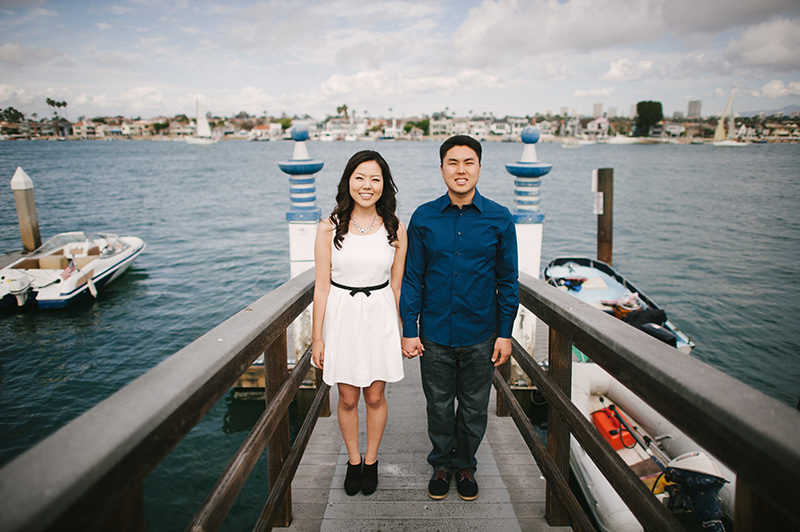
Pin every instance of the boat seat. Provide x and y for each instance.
(80, 262)
(53, 262)
(645, 468)
(594, 283)
(27, 264)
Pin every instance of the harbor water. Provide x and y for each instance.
(711, 234)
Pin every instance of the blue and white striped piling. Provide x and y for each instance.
(529, 221)
(303, 217)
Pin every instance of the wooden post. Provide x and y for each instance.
(325, 409)
(276, 371)
(560, 370)
(502, 409)
(22, 185)
(605, 218)
(753, 513)
(129, 517)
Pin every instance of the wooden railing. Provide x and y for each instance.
(756, 436)
(89, 474)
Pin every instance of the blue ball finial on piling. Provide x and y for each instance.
(528, 173)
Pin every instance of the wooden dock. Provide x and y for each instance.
(512, 489)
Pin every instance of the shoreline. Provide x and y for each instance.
(438, 138)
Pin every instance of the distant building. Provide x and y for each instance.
(695, 107)
(597, 111)
(612, 112)
(674, 130)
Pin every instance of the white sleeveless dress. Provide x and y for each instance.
(362, 333)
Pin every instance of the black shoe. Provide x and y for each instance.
(439, 484)
(467, 487)
(352, 480)
(369, 478)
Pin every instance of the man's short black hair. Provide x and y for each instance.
(459, 140)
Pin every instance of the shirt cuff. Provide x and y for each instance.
(410, 329)
(505, 330)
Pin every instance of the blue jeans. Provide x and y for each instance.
(450, 373)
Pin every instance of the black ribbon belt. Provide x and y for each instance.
(356, 289)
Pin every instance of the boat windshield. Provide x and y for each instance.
(113, 245)
(61, 240)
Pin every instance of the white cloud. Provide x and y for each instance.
(778, 89)
(116, 58)
(774, 44)
(496, 29)
(44, 12)
(135, 99)
(493, 55)
(627, 70)
(13, 96)
(559, 71)
(26, 56)
(118, 10)
(594, 93)
(713, 16)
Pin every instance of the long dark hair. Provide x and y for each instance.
(385, 205)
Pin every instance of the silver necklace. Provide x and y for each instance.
(368, 229)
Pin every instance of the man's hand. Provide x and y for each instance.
(411, 347)
(502, 350)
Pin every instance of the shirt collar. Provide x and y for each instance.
(443, 202)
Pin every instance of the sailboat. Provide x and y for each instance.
(203, 132)
(720, 138)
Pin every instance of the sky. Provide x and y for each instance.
(403, 58)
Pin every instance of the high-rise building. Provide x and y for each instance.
(598, 110)
(694, 108)
(612, 112)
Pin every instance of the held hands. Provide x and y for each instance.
(502, 350)
(318, 353)
(411, 347)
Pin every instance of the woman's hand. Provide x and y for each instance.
(318, 353)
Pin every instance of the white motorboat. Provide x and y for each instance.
(67, 267)
(662, 456)
(622, 139)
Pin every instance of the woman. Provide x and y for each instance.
(359, 256)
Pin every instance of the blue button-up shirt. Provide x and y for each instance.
(461, 277)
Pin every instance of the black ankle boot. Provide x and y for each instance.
(369, 478)
(352, 480)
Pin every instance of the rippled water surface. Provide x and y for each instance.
(711, 234)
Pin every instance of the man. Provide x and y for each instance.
(461, 282)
